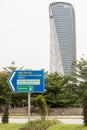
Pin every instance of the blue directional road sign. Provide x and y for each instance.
(26, 81)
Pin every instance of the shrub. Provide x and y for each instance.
(39, 124)
(41, 103)
(6, 114)
(85, 107)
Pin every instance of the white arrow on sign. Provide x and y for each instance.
(11, 80)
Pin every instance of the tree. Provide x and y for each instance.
(5, 117)
(5, 93)
(41, 103)
(53, 83)
(9, 69)
(4, 89)
(81, 74)
(61, 91)
(85, 107)
(69, 96)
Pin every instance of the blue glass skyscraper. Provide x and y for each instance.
(62, 37)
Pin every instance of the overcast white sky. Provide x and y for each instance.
(25, 32)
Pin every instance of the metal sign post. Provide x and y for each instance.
(29, 107)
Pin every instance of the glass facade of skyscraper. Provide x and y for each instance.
(62, 38)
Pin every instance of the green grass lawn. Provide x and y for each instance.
(10, 126)
(67, 127)
(55, 127)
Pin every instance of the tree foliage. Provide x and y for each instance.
(81, 74)
(41, 103)
(61, 90)
(6, 96)
(5, 117)
(4, 89)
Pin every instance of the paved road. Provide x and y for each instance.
(63, 119)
